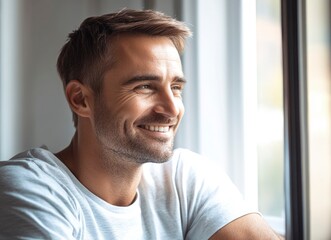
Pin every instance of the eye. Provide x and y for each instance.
(177, 89)
(144, 89)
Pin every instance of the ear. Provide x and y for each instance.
(80, 98)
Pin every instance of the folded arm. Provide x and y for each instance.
(251, 226)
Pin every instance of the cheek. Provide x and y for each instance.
(121, 102)
(129, 106)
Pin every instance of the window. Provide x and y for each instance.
(234, 96)
(234, 101)
(318, 15)
(270, 145)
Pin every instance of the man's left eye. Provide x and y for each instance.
(178, 89)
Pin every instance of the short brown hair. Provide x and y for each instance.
(85, 56)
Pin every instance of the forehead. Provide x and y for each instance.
(141, 50)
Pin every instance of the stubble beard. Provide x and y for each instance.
(135, 150)
(141, 151)
(129, 147)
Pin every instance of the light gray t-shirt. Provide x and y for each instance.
(184, 198)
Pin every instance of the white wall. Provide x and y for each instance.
(33, 107)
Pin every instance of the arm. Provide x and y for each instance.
(250, 226)
(217, 207)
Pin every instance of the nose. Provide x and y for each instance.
(168, 104)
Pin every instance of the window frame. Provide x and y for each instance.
(295, 119)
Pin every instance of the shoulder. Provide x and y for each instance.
(194, 166)
(20, 171)
(33, 175)
(34, 196)
(34, 168)
(187, 165)
(216, 200)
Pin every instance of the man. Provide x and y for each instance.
(119, 178)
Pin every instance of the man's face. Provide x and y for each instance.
(140, 106)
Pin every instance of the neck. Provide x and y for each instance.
(112, 179)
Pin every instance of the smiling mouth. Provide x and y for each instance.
(155, 128)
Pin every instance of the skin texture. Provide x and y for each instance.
(132, 122)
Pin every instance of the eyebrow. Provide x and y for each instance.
(142, 78)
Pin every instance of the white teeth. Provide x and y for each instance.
(156, 128)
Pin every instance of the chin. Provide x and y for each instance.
(161, 159)
(154, 155)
